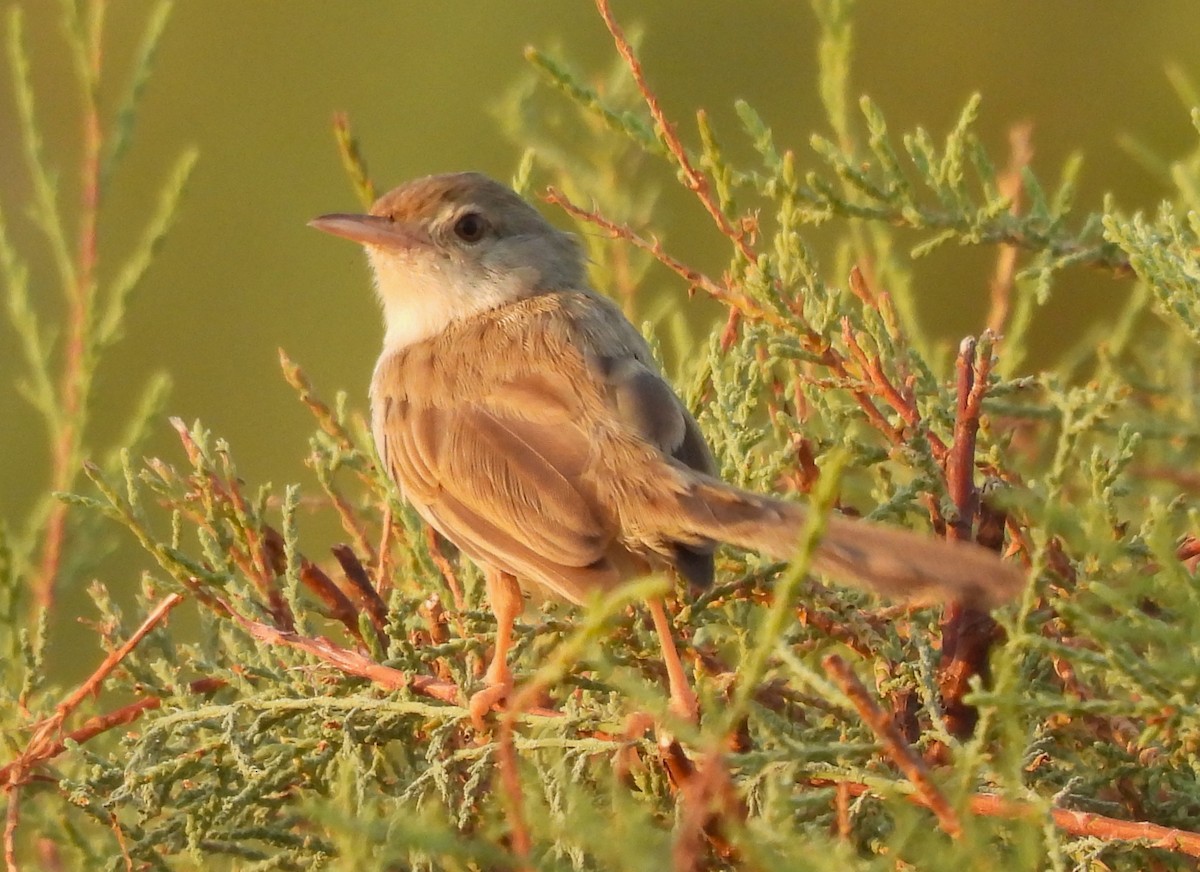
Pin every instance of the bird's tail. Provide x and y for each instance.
(899, 564)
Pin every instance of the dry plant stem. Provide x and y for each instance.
(383, 569)
(349, 662)
(695, 180)
(256, 544)
(360, 591)
(740, 303)
(98, 724)
(44, 740)
(967, 634)
(115, 826)
(971, 384)
(881, 385)
(12, 819)
(91, 686)
(444, 567)
(448, 575)
(906, 760)
(514, 802)
(1075, 823)
(967, 639)
(1000, 288)
(842, 809)
(80, 298)
(351, 525)
(1096, 826)
(336, 602)
(708, 800)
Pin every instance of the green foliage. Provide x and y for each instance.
(317, 718)
(59, 363)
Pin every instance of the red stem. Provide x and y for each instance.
(73, 385)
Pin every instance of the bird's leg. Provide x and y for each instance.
(504, 597)
(683, 700)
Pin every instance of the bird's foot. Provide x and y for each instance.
(483, 701)
(684, 704)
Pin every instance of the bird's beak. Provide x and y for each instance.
(369, 230)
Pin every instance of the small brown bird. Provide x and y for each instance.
(525, 419)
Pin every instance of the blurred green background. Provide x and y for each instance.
(254, 87)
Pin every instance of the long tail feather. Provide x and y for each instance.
(899, 564)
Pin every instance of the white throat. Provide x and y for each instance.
(421, 296)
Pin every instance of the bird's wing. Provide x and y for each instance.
(649, 407)
(499, 474)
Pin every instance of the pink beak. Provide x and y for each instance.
(370, 230)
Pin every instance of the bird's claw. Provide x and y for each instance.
(483, 701)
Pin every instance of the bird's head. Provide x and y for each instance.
(446, 247)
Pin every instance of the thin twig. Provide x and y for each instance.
(99, 724)
(41, 744)
(900, 752)
(91, 686)
(841, 804)
(12, 819)
(383, 570)
(1079, 823)
(967, 633)
(744, 305)
(345, 660)
(75, 381)
(960, 462)
(881, 385)
(695, 180)
(348, 517)
(444, 567)
(1075, 823)
(514, 801)
(360, 590)
(115, 826)
(1010, 184)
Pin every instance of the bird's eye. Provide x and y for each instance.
(470, 227)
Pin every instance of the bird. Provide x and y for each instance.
(526, 420)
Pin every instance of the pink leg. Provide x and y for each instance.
(504, 597)
(683, 700)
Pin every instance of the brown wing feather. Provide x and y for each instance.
(648, 406)
(500, 475)
(495, 546)
(486, 465)
(517, 466)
